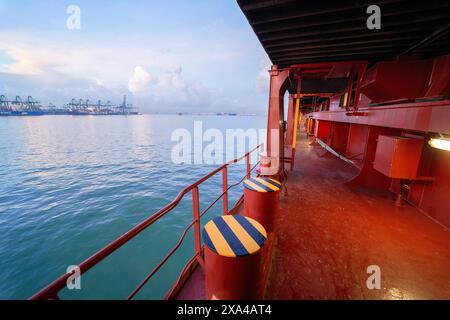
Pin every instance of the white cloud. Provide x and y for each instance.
(107, 62)
(262, 78)
(69, 70)
(169, 90)
(140, 80)
(59, 69)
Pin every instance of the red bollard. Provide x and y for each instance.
(233, 258)
(262, 200)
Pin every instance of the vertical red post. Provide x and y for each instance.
(278, 86)
(225, 191)
(292, 159)
(196, 213)
(291, 122)
(349, 90)
(296, 121)
(362, 72)
(249, 173)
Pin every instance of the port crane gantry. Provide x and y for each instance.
(30, 106)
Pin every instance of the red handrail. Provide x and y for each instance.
(196, 223)
(52, 290)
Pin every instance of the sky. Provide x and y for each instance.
(167, 56)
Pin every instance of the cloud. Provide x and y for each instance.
(71, 70)
(56, 88)
(162, 75)
(107, 62)
(169, 90)
(140, 80)
(262, 78)
(60, 72)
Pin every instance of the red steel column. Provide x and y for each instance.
(296, 121)
(278, 86)
(291, 118)
(349, 90)
(225, 190)
(361, 74)
(196, 212)
(248, 164)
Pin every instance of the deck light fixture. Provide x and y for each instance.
(440, 142)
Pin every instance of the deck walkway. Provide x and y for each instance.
(328, 234)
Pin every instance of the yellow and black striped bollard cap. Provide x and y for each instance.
(234, 236)
(262, 184)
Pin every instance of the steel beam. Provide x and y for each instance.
(279, 83)
(422, 117)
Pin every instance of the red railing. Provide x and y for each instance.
(51, 292)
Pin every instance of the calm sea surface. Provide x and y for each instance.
(70, 185)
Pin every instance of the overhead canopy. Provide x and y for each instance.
(301, 31)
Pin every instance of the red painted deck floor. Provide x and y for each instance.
(328, 234)
(194, 288)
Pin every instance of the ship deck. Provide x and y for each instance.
(329, 233)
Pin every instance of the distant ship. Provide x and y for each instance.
(127, 109)
(226, 114)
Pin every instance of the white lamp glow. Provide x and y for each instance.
(440, 143)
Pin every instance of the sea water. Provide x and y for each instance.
(70, 185)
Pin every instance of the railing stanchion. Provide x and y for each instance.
(225, 190)
(51, 291)
(196, 212)
(249, 171)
